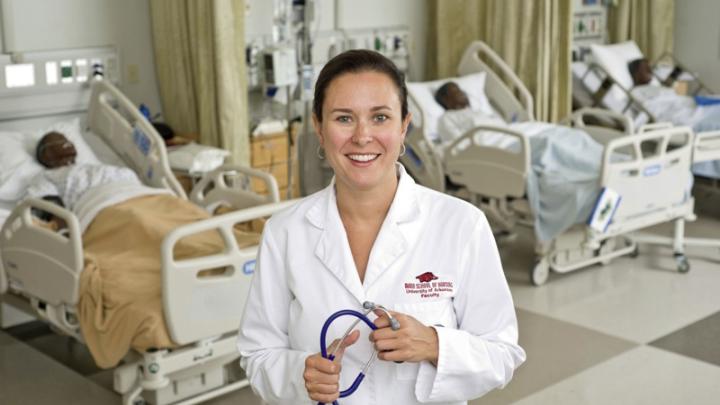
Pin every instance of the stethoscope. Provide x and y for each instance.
(369, 307)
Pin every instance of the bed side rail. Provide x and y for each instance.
(654, 126)
(700, 87)
(229, 185)
(115, 118)
(489, 171)
(422, 161)
(603, 125)
(608, 83)
(38, 262)
(198, 307)
(707, 146)
(651, 173)
(514, 102)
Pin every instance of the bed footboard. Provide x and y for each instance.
(199, 307)
(652, 174)
(229, 185)
(487, 170)
(707, 147)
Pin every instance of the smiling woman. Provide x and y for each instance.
(374, 235)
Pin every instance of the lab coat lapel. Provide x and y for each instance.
(332, 247)
(391, 243)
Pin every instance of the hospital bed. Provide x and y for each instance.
(40, 270)
(496, 179)
(602, 79)
(605, 82)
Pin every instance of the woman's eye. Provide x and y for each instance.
(343, 118)
(381, 118)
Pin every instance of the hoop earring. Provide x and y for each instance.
(403, 149)
(320, 153)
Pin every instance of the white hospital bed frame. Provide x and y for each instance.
(496, 179)
(422, 160)
(40, 269)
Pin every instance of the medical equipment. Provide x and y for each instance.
(40, 270)
(369, 307)
(279, 66)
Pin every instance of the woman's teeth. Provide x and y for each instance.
(363, 158)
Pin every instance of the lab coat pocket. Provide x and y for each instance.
(429, 313)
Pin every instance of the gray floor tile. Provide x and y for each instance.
(642, 376)
(556, 350)
(29, 377)
(699, 340)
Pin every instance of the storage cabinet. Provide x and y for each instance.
(269, 153)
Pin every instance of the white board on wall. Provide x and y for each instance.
(40, 25)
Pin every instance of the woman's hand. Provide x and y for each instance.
(413, 342)
(322, 376)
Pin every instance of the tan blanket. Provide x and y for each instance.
(120, 290)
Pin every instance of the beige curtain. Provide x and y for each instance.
(650, 23)
(200, 62)
(532, 36)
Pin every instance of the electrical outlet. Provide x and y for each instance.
(133, 74)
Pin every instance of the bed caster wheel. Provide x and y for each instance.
(683, 265)
(605, 250)
(540, 272)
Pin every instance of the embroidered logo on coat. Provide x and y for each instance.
(427, 287)
(426, 277)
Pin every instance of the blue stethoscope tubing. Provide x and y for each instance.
(323, 345)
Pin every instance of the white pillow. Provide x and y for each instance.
(17, 166)
(615, 58)
(424, 94)
(17, 156)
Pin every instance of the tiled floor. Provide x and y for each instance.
(633, 332)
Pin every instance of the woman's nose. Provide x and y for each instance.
(361, 135)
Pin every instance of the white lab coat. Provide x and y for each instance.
(305, 272)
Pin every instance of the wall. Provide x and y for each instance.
(36, 25)
(697, 38)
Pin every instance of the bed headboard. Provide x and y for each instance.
(479, 57)
(114, 118)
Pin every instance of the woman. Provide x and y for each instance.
(374, 235)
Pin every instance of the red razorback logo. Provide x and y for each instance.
(426, 277)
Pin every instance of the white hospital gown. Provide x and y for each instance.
(70, 183)
(454, 123)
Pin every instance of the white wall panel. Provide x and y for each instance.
(697, 38)
(41, 25)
